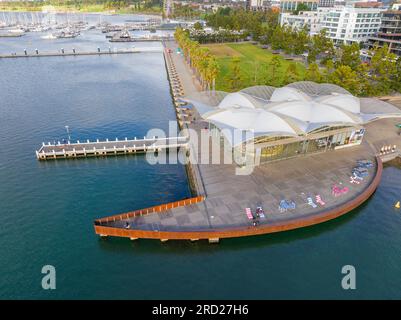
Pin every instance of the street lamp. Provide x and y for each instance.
(68, 132)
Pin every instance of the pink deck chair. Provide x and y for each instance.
(249, 213)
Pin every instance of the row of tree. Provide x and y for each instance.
(184, 11)
(201, 61)
(252, 22)
(218, 36)
(379, 75)
(292, 41)
(264, 27)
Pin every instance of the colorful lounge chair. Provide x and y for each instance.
(311, 203)
(319, 200)
(249, 213)
(260, 212)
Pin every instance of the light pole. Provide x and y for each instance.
(68, 132)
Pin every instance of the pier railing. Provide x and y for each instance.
(158, 208)
(109, 147)
(74, 52)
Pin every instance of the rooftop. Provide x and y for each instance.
(294, 110)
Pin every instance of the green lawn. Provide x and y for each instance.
(253, 61)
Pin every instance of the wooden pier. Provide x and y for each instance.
(132, 39)
(390, 156)
(108, 148)
(74, 52)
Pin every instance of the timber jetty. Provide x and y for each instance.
(125, 38)
(11, 35)
(115, 147)
(74, 52)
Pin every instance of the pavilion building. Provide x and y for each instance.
(298, 119)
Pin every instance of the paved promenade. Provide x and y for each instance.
(228, 194)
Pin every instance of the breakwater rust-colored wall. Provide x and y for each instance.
(213, 235)
(142, 212)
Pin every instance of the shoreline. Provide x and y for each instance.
(192, 180)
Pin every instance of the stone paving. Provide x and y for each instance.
(295, 179)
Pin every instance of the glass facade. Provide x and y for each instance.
(346, 138)
(291, 5)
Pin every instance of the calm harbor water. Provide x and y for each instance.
(47, 208)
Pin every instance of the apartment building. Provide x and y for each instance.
(389, 32)
(347, 24)
(308, 19)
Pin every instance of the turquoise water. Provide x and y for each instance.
(47, 208)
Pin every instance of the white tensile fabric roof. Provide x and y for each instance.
(293, 110)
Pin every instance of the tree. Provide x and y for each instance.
(347, 78)
(276, 40)
(301, 7)
(212, 71)
(255, 65)
(363, 76)
(301, 39)
(321, 47)
(350, 55)
(397, 78)
(198, 26)
(272, 76)
(329, 64)
(313, 73)
(383, 69)
(291, 74)
(312, 54)
(288, 39)
(235, 77)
